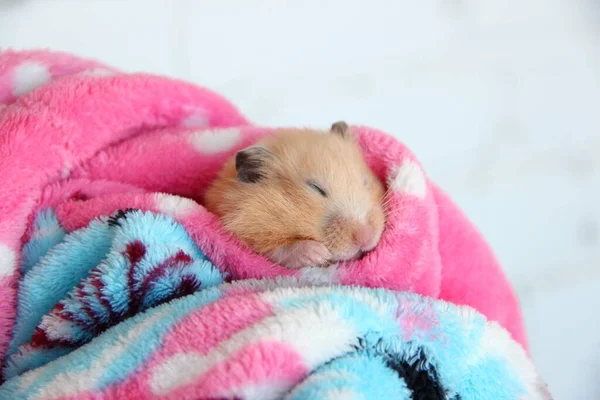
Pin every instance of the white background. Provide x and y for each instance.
(500, 99)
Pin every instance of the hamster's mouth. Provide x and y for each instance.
(353, 253)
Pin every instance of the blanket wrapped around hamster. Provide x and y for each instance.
(116, 283)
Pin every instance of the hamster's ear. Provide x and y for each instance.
(341, 128)
(249, 163)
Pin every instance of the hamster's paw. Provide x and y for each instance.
(303, 253)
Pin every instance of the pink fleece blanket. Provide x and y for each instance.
(87, 140)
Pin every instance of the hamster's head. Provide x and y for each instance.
(301, 185)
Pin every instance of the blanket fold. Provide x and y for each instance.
(115, 282)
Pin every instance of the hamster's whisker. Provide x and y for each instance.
(386, 198)
(386, 202)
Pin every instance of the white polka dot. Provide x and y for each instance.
(196, 120)
(174, 206)
(66, 169)
(408, 178)
(98, 72)
(217, 141)
(28, 76)
(7, 261)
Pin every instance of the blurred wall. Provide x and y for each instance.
(499, 99)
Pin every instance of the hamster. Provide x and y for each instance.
(301, 197)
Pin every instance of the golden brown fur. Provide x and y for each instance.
(281, 209)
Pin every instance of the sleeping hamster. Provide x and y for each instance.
(301, 197)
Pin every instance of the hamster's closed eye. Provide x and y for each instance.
(316, 187)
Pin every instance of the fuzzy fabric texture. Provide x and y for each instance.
(141, 260)
(282, 339)
(80, 141)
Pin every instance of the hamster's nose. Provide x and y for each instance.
(363, 236)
